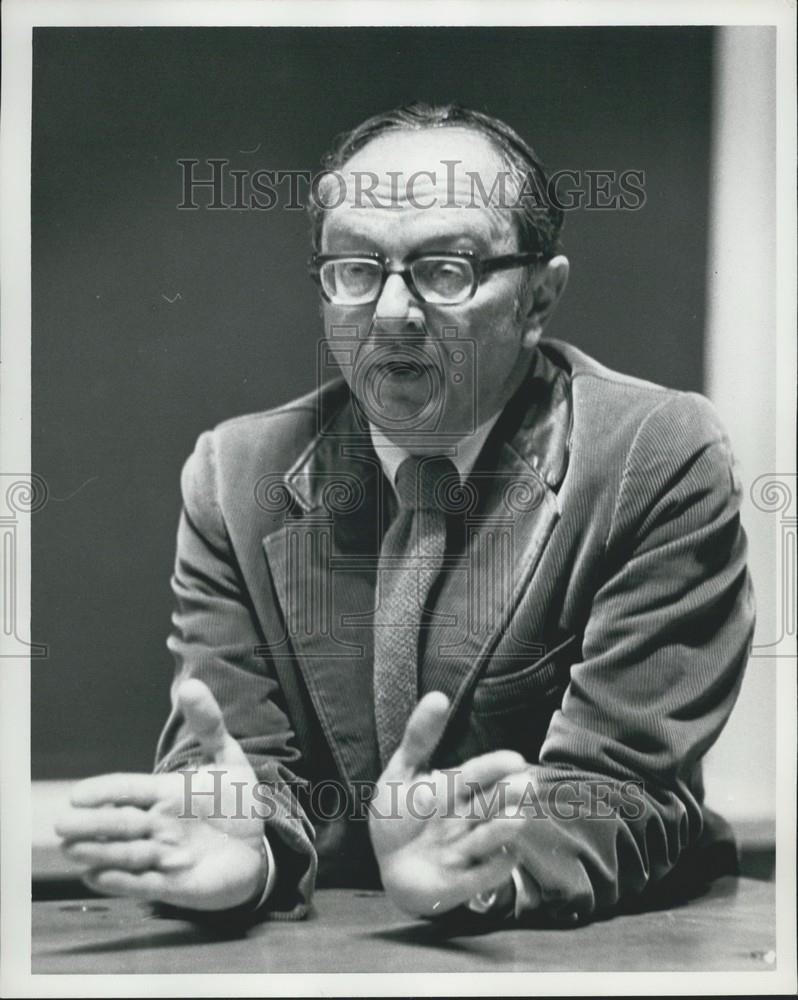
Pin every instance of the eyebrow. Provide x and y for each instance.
(455, 240)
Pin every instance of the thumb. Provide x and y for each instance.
(206, 722)
(422, 733)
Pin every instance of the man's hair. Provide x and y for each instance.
(539, 222)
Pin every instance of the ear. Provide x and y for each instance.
(547, 287)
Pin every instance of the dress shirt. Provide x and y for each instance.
(466, 453)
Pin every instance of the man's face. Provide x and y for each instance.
(419, 367)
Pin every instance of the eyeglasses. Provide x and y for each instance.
(447, 278)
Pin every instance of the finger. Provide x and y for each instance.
(484, 771)
(519, 792)
(205, 720)
(485, 841)
(147, 885)
(484, 877)
(120, 823)
(129, 855)
(117, 789)
(422, 733)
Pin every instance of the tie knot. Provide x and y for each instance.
(420, 481)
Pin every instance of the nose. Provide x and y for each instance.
(396, 302)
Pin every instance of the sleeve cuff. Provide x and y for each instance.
(501, 903)
(520, 892)
(271, 872)
(527, 893)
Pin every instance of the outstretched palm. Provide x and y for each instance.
(434, 850)
(190, 838)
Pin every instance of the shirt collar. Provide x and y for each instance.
(466, 452)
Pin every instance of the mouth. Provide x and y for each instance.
(403, 369)
(397, 375)
(403, 362)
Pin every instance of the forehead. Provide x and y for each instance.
(445, 182)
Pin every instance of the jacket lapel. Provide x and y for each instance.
(508, 509)
(323, 565)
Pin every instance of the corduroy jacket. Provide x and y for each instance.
(594, 613)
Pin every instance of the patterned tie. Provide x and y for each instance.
(410, 559)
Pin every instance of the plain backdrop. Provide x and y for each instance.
(151, 324)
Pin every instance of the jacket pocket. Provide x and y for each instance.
(535, 682)
(513, 711)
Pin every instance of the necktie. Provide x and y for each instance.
(410, 559)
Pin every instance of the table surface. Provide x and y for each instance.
(730, 928)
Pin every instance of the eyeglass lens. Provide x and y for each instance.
(359, 280)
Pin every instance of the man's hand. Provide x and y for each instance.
(435, 848)
(157, 837)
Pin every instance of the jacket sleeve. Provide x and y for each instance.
(663, 655)
(214, 638)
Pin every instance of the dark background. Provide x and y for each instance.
(124, 380)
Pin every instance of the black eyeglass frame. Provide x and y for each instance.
(480, 266)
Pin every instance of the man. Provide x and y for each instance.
(481, 570)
